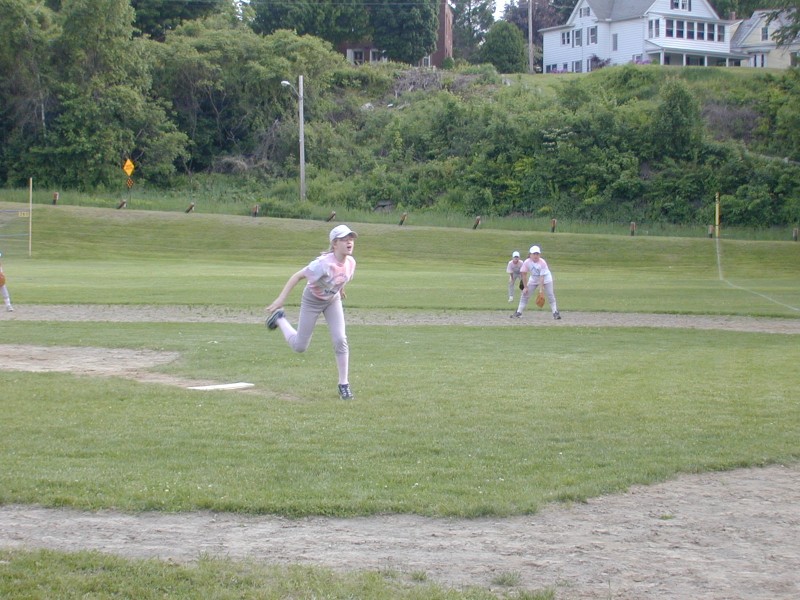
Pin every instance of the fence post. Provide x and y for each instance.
(477, 222)
(633, 228)
(553, 225)
(55, 198)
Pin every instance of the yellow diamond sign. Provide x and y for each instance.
(128, 167)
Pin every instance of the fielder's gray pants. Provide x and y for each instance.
(549, 293)
(311, 308)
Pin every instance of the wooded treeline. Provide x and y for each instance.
(81, 90)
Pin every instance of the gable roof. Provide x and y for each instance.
(759, 19)
(619, 10)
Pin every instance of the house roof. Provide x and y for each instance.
(619, 10)
(611, 10)
(759, 19)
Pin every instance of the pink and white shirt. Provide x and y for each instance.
(536, 270)
(513, 268)
(326, 276)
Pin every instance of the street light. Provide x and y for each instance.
(299, 93)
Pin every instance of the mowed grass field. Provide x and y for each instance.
(448, 420)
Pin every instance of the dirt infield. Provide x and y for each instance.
(709, 536)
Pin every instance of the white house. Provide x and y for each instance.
(666, 32)
(754, 38)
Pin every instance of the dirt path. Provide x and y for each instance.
(189, 314)
(722, 535)
(709, 536)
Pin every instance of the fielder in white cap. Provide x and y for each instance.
(326, 275)
(535, 267)
(3, 289)
(514, 265)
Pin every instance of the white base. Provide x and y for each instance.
(224, 386)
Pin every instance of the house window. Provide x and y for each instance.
(358, 57)
(565, 67)
(689, 30)
(764, 33)
(710, 32)
(669, 29)
(681, 5)
(577, 67)
(701, 31)
(679, 29)
(577, 38)
(566, 38)
(376, 56)
(614, 45)
(720, 33)
(592, 35)
(654, 28)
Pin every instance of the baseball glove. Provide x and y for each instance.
(2, 279)
(521, 286)
(540, 300)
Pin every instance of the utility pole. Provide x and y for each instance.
(530, 36)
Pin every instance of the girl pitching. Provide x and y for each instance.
(327, 276)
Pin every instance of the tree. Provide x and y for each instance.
(406, 31)
(103, 110)
(223, 81)
(786, 12)
(332, 20)
(25, 79)
(156, 17)
(545, 14)
(471, 20)
(505, 48)
(677, 125)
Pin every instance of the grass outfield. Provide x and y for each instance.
(89, 255)
(449, 421)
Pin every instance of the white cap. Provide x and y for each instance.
(341, 231)
(535, 250)
(515, 254)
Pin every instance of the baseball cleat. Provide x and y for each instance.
(557, 316)
(516, 315)
(345, 393)
(511, 298)
(272, 321)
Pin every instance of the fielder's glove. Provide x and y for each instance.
(540, 300)
(521, 286)
(2, 279)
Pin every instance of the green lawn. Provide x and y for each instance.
(448, 421)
